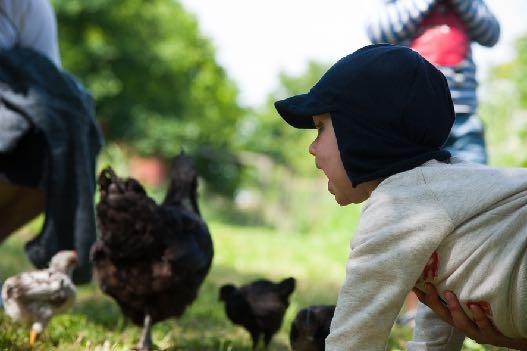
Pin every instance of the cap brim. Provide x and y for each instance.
(298, 110)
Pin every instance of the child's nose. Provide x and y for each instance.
(312, 148)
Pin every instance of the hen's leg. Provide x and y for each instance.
(255, 336)
(267, 339)
(145, 343)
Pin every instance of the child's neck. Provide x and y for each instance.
(372, 185)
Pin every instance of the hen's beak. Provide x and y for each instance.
(33, 337)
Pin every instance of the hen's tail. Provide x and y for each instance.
(183, 188)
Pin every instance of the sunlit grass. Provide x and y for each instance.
(241, 255)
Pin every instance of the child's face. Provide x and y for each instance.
(327, 158)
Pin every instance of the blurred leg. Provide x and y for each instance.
(411, 301)
(410, 308)
(18, 205)
(467, 140)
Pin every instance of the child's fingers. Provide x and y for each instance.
(481, 329)
(432, 299)
(481, 319)
(488, 334)
(420, 294)
(460, 320)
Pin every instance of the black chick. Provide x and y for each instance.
(151, 259)
(310, 328)
(259, 307)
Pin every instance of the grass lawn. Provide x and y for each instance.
(241, 255)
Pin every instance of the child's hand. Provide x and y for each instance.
(480, 329)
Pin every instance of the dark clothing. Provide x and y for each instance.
(53, 145)
(25, 162)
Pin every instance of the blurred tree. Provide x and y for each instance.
(264, 132)
(515, 71)
(504, 109)
(155, 80)
(284, 182)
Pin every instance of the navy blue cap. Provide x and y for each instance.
(390, 108)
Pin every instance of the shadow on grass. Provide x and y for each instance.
(101, 310)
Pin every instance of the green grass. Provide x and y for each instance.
(241, 254)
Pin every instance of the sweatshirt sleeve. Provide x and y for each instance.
(397, 21)
(482, 25)
(37, 28)
(432, 334)
(396, 236)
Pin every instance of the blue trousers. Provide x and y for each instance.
(467, 139)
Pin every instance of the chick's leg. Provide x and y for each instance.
(33, 337)
(34, 334)
(145, 343)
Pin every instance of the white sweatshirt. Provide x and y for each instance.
(30, 24)
(461, 226)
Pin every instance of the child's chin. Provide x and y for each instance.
(347, 201)
(342, 202)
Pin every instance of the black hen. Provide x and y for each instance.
(151, 258)
(310, 328)
(259, 307)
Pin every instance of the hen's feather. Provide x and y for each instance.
(259, 307)
(311, 327)
(150, 258)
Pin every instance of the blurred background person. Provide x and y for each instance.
(31, 24)
(48, 137)
(442, 32)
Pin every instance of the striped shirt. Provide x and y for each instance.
(398, 22)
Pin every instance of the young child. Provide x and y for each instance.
(382, 115)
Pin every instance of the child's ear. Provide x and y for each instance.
(226, 291)
(286, 286)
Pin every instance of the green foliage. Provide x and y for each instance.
(265, 132)
(298, 203)
(504, 110)
(284, 187)
(154, 78)
(516, 70)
